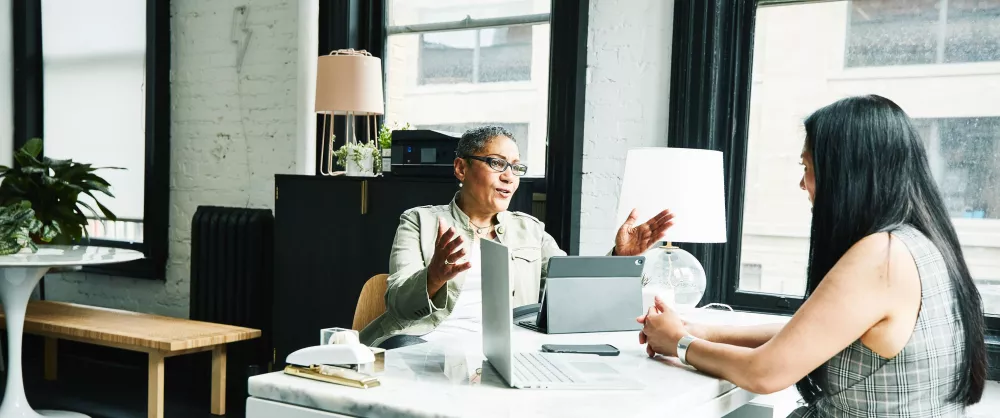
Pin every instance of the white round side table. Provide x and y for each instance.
(19, 274)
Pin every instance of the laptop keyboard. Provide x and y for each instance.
(534, 367)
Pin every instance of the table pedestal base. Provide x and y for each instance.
(16, 285)
(60, 414)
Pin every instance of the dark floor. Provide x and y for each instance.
(110, 383)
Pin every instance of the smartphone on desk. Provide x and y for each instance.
(599, 349)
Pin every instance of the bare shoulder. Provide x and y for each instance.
(881, 256)
(872, 249)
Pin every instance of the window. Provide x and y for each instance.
(93, 82)
(476, 56)
(958, 118)
(964, 154)
(94, 77)
(452, 65)
(902, 32)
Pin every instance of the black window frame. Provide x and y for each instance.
(362, 25)
(712, 59)
(29, 123)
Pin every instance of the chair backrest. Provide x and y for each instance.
(371, 303)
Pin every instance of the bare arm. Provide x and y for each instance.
(751, 336)
(820, 329)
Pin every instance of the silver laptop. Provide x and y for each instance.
(531, 369)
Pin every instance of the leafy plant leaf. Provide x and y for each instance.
(107, 212)
(90, 208)
(33, 147)
(17, 224)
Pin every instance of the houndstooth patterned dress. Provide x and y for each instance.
(918, 381)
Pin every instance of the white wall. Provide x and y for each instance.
(231, 132)
(628, 72)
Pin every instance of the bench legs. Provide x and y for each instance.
(154, 407)
(51, 357)
(154, 392)
(219, 380)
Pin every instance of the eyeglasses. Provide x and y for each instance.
(500, 164)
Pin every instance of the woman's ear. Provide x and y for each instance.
(460, 169)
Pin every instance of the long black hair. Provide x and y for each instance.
(872, 176)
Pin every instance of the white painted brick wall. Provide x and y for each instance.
(628, 63)
(231, 132)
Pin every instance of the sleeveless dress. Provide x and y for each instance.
(918, 381)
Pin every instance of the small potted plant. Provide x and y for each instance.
(52, 189)
(360, 159)
(367, 159)
(385, 142)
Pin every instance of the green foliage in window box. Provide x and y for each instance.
(52, 187)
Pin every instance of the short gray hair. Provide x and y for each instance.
(475, 140)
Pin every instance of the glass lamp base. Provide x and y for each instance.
(675, 275)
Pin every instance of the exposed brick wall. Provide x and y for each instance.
(628, 60)
(231, 132)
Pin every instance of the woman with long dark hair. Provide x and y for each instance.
(892, 324)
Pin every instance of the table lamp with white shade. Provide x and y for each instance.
(348, 82)
(690, 183)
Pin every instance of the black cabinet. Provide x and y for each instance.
(331, 235)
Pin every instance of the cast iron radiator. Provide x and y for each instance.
(232, 269)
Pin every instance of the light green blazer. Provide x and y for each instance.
(409, 309)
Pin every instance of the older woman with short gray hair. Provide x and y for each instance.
(434, 290)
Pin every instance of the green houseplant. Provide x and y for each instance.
(385, 135)
(385, 143)
(18, 225)
(52, 188)
(360, 158)
(364, 159)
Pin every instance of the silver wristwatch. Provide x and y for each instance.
(682, 348)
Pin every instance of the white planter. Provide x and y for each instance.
(364, 169)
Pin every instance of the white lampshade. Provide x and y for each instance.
(349, 81)
(689, 182)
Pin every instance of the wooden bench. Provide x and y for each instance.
(159, 336)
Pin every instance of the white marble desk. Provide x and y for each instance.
(438, 379)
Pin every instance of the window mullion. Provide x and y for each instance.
(469, 23)
(942, 30)
(475, 56)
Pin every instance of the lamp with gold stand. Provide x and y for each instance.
(689, 182)
(349, 82)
